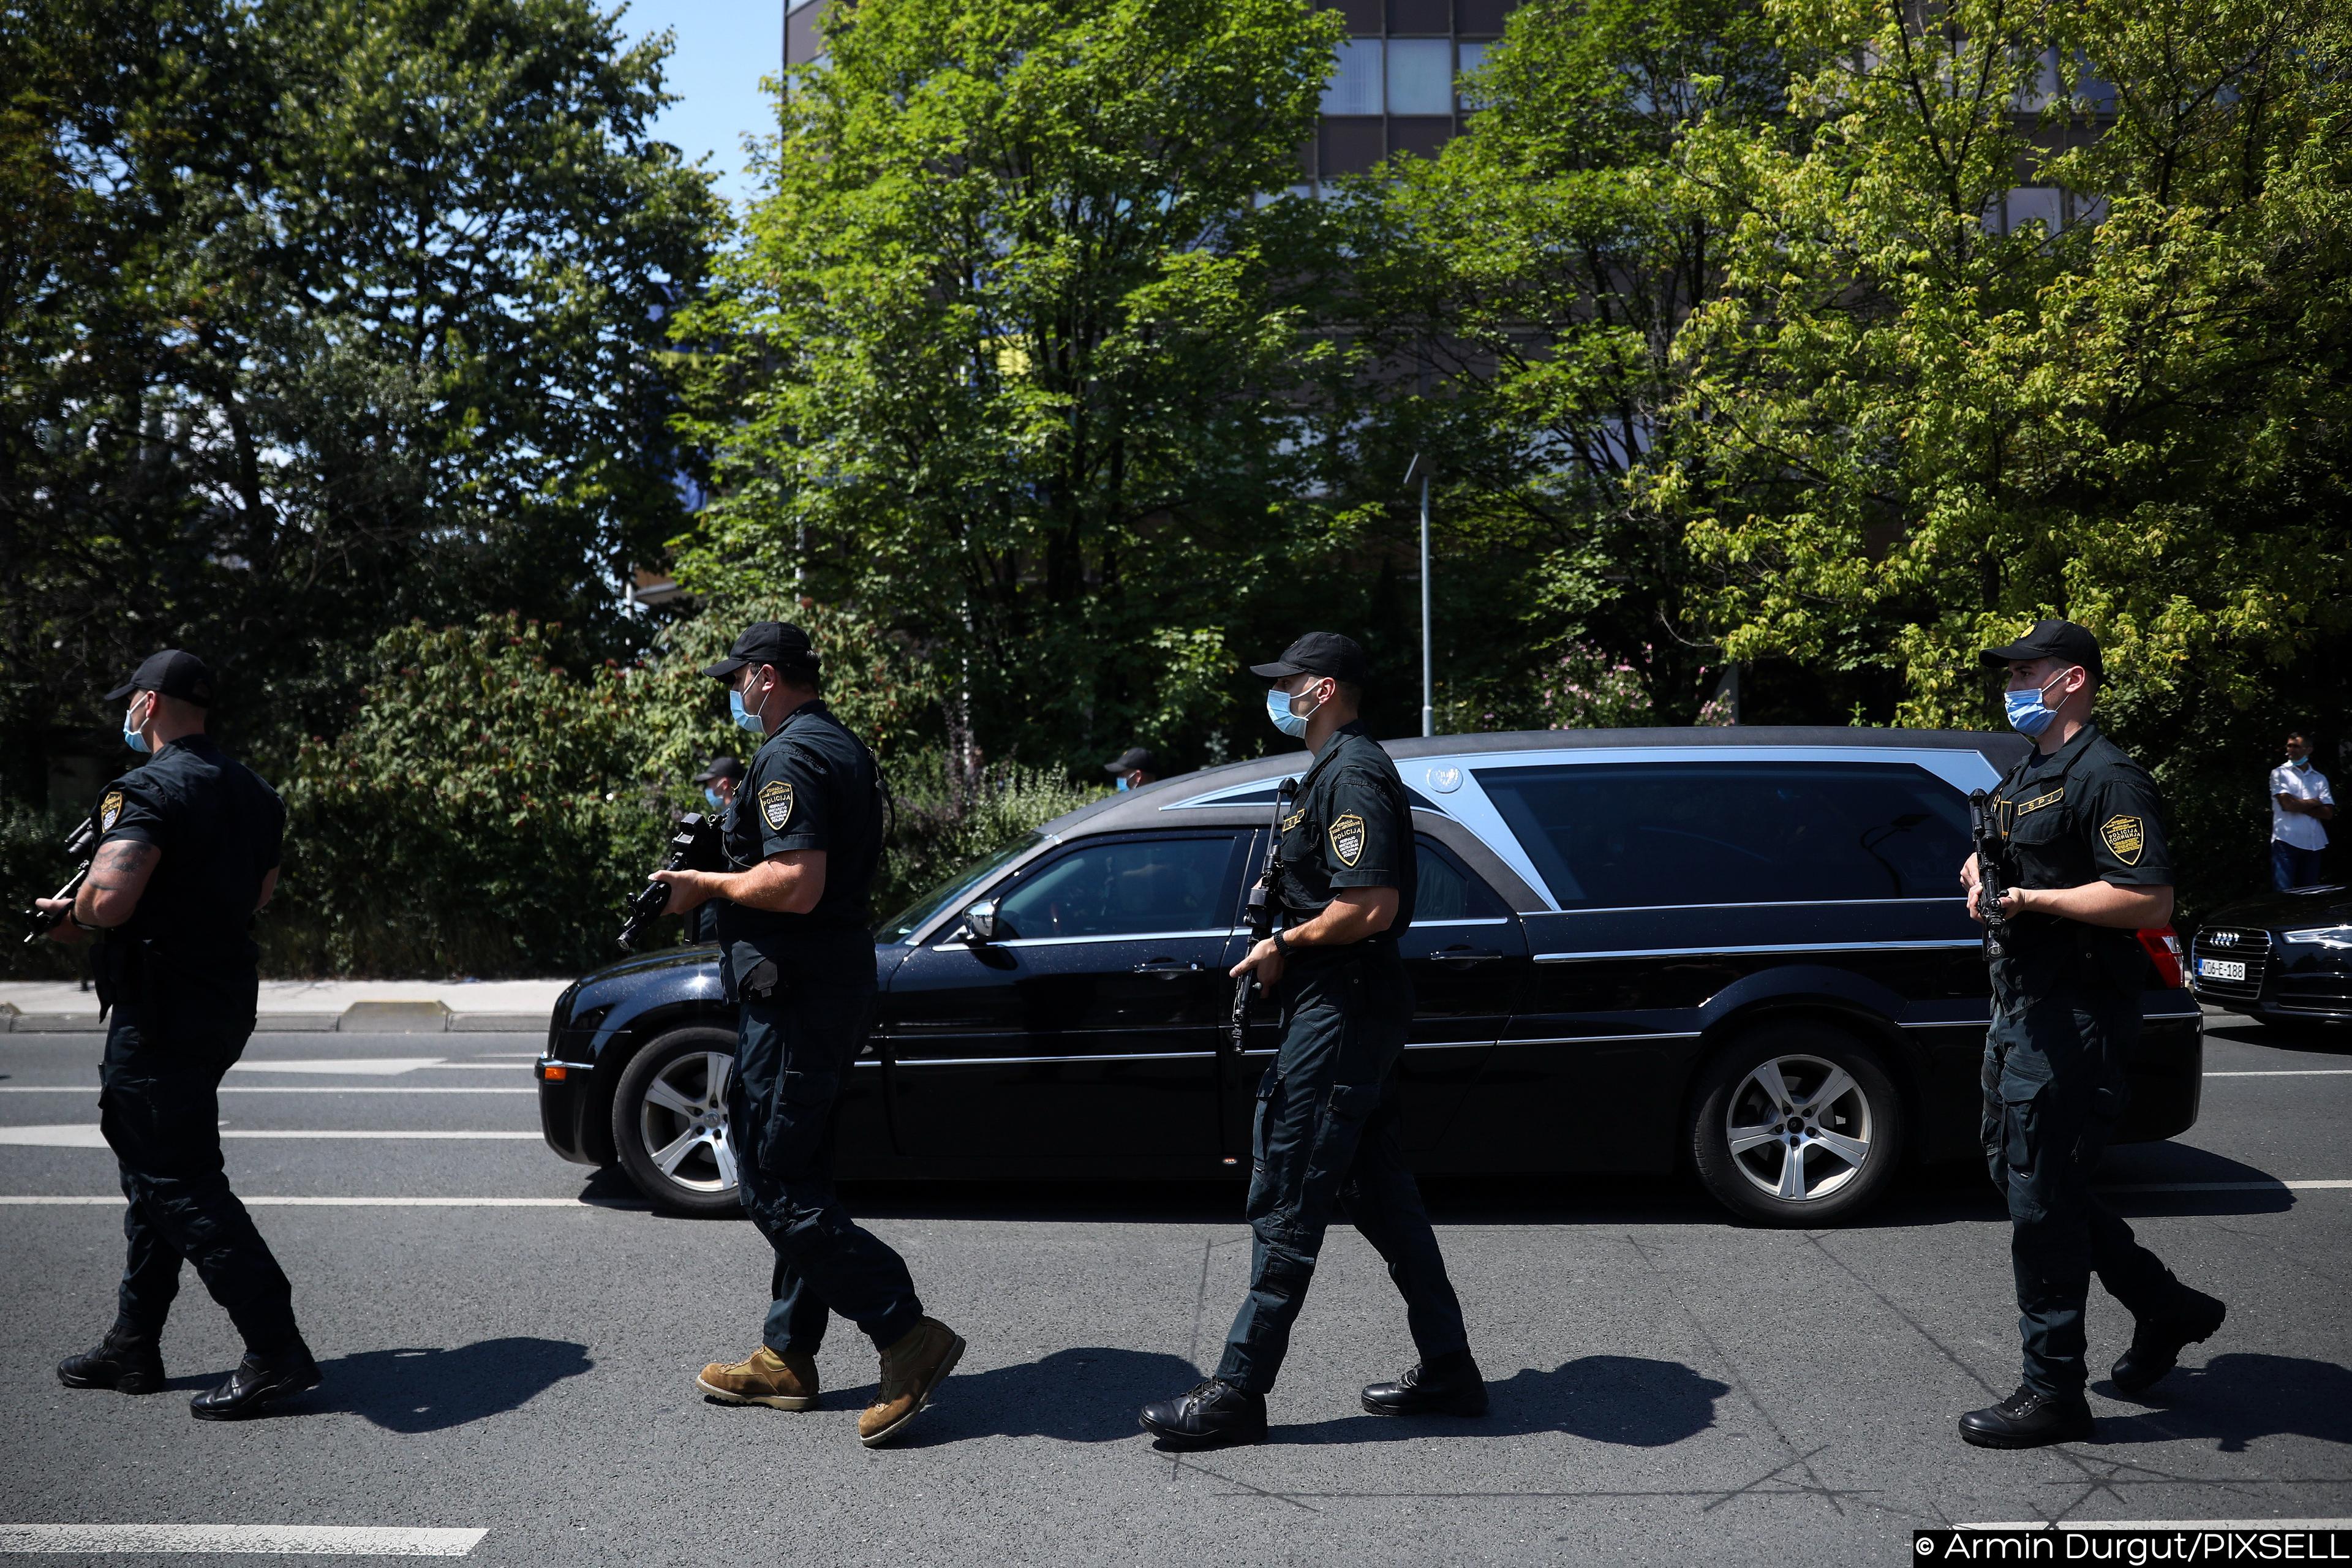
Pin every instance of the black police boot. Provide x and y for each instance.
(1450, 1386)
(1212, 1415)
(118, 1362)
(2028, 1420)
(258, 1382)
(2157, 1341)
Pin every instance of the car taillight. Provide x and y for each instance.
(2162, 946)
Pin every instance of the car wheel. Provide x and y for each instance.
(669, 1122)
(1796, 1124)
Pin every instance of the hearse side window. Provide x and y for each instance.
(1617, 836)
(1446, 892)
(1129, 888)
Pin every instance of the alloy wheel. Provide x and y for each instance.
(1798, 1128)
(683, 1122)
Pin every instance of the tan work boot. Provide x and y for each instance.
(912, 1370)
(787, 1381)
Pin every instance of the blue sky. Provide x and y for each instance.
(721, 50)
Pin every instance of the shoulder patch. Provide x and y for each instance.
(1347, 839)
(776, 804)
(2125, 838)
(109, 810)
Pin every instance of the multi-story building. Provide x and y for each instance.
(1391, 90)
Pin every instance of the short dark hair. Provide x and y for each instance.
(2298, 735)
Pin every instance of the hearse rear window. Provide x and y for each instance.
(1631, 835)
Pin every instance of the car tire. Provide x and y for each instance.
(1807, 1092)
(669, 1122)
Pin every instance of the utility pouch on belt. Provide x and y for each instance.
(763, 981)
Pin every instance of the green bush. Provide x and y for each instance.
(938, 829)
(33, 865)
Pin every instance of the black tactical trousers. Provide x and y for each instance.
(794, 1048)
(2054, 1086)
(158, 1109)
(1326, 1141)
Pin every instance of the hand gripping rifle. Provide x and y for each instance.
(693, 847)
(1261, 914)
(1989, 887)
(82, 846)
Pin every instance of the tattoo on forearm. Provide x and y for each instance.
(118, 864)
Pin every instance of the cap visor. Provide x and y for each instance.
(724, 667)
(1277, 669)
(2013, 654)
(122, 692)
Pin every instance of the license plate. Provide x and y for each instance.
(2222, 968)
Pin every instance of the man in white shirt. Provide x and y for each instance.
(2300, 802)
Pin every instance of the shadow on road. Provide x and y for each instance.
(434, 1390)
(2316, 1040)
(2234, 1399)
(1628, 1399)
(1089, 1394)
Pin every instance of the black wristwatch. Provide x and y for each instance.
(1281, 946)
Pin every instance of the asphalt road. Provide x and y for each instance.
(1669, 1386)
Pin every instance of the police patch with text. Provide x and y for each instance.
(1347, 839)
(776, 804)
(109, 810)
(2125, 838)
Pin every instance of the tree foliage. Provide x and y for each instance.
(1001, 359)
(317, 316)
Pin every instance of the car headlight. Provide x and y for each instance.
(2321, 936)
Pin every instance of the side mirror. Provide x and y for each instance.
(981, 920)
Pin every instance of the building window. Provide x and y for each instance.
(1473, 57)
(1355, 84)
(1421, 76)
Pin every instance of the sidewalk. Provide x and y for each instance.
(372, 1006)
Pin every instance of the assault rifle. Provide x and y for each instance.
(1989, 888)
(693, 847)
(81, 845)
(1261, 914)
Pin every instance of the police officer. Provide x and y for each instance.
(188, 854)
(1326, 1135)
(1133, 768)
(2084, 866)
(719, 778)
(803, 839)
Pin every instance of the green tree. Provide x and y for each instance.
(317, 316)
(1521, 293)
(1001, 359)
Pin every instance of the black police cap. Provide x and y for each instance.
(1134, 757)
(718, 768)
(172, 673)
(2050, 640)
(779, 643)
(1321, 653)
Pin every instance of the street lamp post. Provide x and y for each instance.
(1428, 687)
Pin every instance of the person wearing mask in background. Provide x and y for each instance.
(188, 854)
(720, 779)
(2084, 865)
(796, 948)
(2300, 802)
(1133, 768)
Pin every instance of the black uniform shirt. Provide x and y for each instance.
(220, 828)
(814, 785)
(1350, 827)
(2084, 813)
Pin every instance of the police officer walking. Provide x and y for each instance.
(720, 779)
(804, 838)
(1326, 1136)
(188, 854)
(2084, 866)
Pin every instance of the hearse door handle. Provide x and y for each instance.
(1466, 955)
(1169, 966)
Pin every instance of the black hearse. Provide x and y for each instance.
(1742, 951)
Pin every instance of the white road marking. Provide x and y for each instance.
(2232, 1187)
(115, 1201)
(292, 1088)
(2288, 1072)
(275, 1540)
(356, 1066)
(77, 1136)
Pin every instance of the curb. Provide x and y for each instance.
(428, 1017)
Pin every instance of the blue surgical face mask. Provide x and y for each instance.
(1278, 708)
(712, 797)
(2302, 762)
(744, 718)
(2029, 715)
(1120, 785)
(131, 735)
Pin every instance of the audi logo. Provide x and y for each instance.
(2225, 939)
